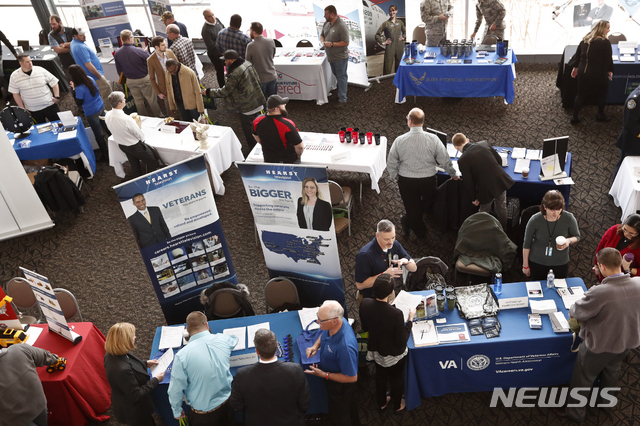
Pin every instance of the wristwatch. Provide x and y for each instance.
(331, 44)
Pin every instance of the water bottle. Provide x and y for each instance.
(550, 279)
(497, 287)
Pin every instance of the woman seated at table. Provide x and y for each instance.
(87, 96)
(539, 250)
(128, 377)
(313, 212)
(626, 239)
(387, 346)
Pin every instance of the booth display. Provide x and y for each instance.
(626, 187)
(519, 357)
(303, 74)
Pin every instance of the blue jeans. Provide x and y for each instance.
(269, 88)
(339, 69)
(96, 126)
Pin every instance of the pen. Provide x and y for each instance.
(422, 335)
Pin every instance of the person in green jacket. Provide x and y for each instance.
(392, 34)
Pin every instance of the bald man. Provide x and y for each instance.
(412, 160)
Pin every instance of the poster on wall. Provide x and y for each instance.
(105, 19)
(174, 220)
(298, 240)
(349, 12)
(157, 8)
(630, 6)
(384, 36)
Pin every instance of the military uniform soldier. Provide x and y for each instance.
(434, 15)
(629, 139)
(392, 33)
(494, 13)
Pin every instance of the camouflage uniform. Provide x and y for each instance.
(394, 51)
(494, 13)
(435, 29)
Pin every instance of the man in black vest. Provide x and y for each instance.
(60, 40)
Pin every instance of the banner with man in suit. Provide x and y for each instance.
(174, 220)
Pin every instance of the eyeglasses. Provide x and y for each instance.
(319, 321)
(629, 233)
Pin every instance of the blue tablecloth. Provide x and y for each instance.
(46, 145)
(519, 357)
(531, 190)
(472, 80)
(281, 324)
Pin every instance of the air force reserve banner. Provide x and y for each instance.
(174, 220)
(291, 207)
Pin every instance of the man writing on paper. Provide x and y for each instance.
(271, 392)
(610, 327)
(201, 374)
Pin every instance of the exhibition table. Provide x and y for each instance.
(626, 187)
(325, 149)
(281, 324)
(519, 357)
(303, 77)
(465, 80)
(80, 393)
(224, 148)
(42, 56)
(530, 190)
(63, 145)
(626, 77)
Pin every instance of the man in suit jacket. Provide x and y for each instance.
(147, 223)
(602, 12)
(484, 178)
(271, 392)
(157, 65)
(610, 327)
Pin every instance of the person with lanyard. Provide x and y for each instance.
(540, 253)
(625, 238)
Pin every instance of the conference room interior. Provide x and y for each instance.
(94, 254)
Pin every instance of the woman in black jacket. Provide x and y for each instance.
(387, 346)
(593, 65)
(313, 212)
(127, 375)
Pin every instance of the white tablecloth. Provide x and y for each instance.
(224, 149)
(626, 187)
(370, 159)
(307, 78)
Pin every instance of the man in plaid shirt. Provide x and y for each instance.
(232, 39)
(182, 47)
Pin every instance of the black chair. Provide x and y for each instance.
(304, 43)
(277, 43)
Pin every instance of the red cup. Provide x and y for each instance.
(369, 138)
(349, 129)
(354, 136)
(341, 134)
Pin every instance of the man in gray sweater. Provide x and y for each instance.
(260, 52)
(610, 327)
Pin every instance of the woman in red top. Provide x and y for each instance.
(625, 238)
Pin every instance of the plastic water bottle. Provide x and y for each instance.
(497, 287)
(550, 279)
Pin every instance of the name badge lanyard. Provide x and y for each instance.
(549, 250)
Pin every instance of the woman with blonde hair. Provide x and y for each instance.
(313, 212)
(593, 66)
(128, 377)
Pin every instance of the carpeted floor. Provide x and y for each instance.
(94, 254)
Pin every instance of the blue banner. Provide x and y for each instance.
(291, 207)
(173, 217)
(105, 19)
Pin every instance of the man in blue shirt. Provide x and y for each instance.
(132, 61)
(201, 373)
(88, 60)
(338, 363)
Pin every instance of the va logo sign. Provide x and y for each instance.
(445, 365)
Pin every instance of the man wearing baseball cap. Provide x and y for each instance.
(280, 140)
(89, 61)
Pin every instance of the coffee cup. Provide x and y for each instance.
(525, 173)
(369, 138)
(341, 135)
(560, 241)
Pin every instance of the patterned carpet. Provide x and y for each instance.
(94, 255)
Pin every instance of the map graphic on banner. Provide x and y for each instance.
(348, 11)
(308, 257)
(157, 8)
(105, 18)
(49, 305)
(174, 219)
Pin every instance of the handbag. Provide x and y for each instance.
(209, 103)
(476, 301)
(305, 340)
